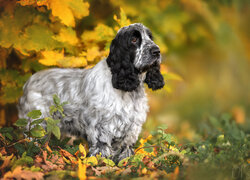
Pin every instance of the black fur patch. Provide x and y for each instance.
(120, 60)
(154, 79)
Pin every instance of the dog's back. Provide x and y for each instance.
(39, 89)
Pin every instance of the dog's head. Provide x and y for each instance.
(133, 52)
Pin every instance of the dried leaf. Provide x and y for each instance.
(68, 156)
(126, 171)
(81, 170)
(91, 161)
(19, 174)
(82, 151)
(6, 162)
(104, 169)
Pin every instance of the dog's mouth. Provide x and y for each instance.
(148, 66)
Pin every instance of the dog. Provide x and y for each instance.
(107, 104)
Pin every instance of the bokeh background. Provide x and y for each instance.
(205, 47)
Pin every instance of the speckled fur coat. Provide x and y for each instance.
(107, 104)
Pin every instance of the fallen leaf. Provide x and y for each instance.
(81, 170)
(144, 171)
(126, 172)
(6, 163)
(104, 170)
(92, 161)
(108, 162)
(68, 156)
(19, 174)
(82, 150)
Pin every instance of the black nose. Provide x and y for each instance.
(155, 51)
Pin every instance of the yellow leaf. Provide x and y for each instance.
(66, 160)
(60, 9)
(92, 161)
(67, 35)
(79, 8)
(108, 162)
(72, 62)
(104, 32)
(33, 2)
(123, 21)
(92, 53)
(140, 149)
(81, 170)
(100, 33)
(82, 150)
(65, 10)
(51, 57)
(26, 2)
(144, 171)
(42, 3)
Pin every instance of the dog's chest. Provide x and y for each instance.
(127, 112)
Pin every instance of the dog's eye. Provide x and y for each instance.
(134, 39)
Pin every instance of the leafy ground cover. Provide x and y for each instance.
(37, 153)
(205, 61)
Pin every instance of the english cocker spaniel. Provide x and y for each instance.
(107, 104)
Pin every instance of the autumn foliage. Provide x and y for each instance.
(205, 103)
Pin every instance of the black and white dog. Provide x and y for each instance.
(107, 104)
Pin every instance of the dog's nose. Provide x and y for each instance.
(155, 51)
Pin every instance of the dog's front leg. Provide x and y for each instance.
(128, 143)
(100, 142)
(125, 152)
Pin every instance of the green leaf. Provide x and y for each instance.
(20, 148)
(215, 122)
(53, 109)
(56, 99)
(53, 127)
(163, 126)
(148, 149)
(167, 137)
(56, 132)
(108, 162)
(6, 129)
(8, 135)
(39, 37)
(34, 114)
(137, 158)
(37, 131)
(23, 161)
(21, 122)
(153, 133)
(121, 162)
(38, 121)
(64, 103)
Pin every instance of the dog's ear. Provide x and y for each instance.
(120, 60)
(154, 78)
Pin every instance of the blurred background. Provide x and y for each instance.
(205, 47)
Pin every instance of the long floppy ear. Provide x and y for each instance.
(120, 60)
(154, 78)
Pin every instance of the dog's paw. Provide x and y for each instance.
(103, 148)
(127, 152)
